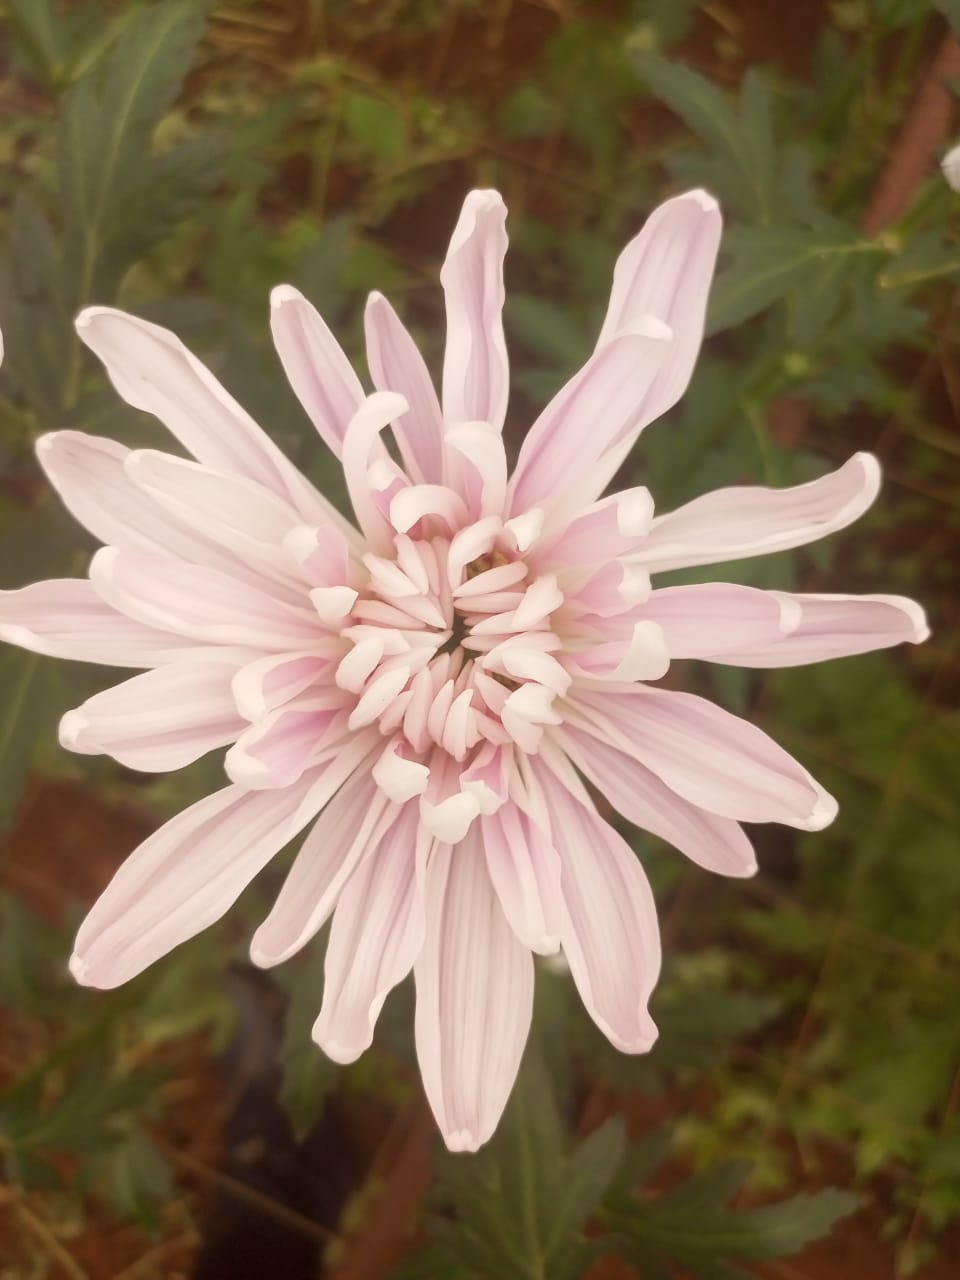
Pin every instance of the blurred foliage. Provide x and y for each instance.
(179, 158)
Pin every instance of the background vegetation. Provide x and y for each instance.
(181, 157)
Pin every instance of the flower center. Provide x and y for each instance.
(451, 644)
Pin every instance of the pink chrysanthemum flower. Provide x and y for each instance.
(427, 691)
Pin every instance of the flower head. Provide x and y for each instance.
(426, 692)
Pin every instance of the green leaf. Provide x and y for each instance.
(21, 675)
(742, 139)
(521, 1204)
(106, 141)
(529, 113)
(308, 1074)
(768, 262)
(35, 31)
(30, 952)
(135, 1179)
(375, 126)
(692, 1226)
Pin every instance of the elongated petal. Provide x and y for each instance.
(270, 681)
(718, 844)
(613, 527)
(162, 719)
(732, 524)
(574, 448)
(709, 757)
(666, 272)
(67, 618)
(153, 371)
(278, 749)
(378, 929)
(716, 619)
(837, 627)
(186, 876)
(226, 522)
(88, 473)
(200, 603)
(361, 446)
(397, 365)
(474, 997)
(321, 375)
(610, 933)
(351, 824)
(476, 374)
(525, 872)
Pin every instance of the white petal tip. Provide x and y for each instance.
(86, 975)
(791, 614)
(333, 603)
(73, 726)
(823, 813)
(399, 779)
(650, 327)
(89, 316)
(872, 471)
(703, 198)
(450, 820)
(918, 619)
(463, 1141)
(103, 564)
(485, 198)
(46, 443)
(22, 637)
(284, 293)
(245, 770)
(336, 1051)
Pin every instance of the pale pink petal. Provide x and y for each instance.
(474, 997)
(716, 619)
(361, 446)
(397, 365)
(322, 377)
(575, 447)
(163, 719)
(642, 655)
(525, 872)
(153, 371)
(837, 627)
(203, 604)
(270, 681)
(749, 520)
(277, 750)
(708, 756)
(476, 374)
(356, 818)
(666, 272)
(186, 876)
(483, 468)
(321, 552)
(88, 473)
(718, 844)
(378, 929)
(67, 618)
(610, 934)
(612, 527)
(221, 501)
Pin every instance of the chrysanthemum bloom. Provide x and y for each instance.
(428, 690)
